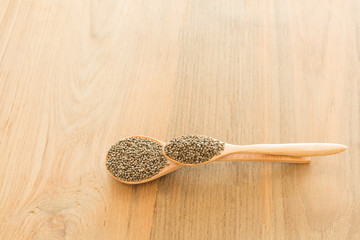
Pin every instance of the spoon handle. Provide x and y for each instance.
(254, 157)
(288, 149)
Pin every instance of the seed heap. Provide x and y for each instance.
(135, 159)
(193, 149)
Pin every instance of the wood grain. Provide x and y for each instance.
(76, 76)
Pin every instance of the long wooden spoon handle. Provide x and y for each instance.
(289, 149)
(263, 158)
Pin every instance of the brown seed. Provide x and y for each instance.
(193, 149)
(135, 159)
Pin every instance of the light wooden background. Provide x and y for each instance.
(76, 76)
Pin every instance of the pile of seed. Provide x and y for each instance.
(135, 159)
(193, 149)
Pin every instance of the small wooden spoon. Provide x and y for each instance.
(273, 150)
(231, 153)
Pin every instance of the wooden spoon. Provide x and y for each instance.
(274, 151)
(232, 153)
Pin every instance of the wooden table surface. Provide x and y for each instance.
(77, 76)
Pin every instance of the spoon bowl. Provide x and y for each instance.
(169, 167)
